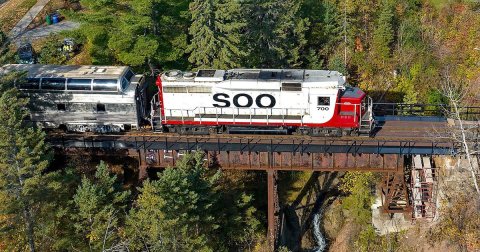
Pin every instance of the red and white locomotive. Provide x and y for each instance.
(310, 102)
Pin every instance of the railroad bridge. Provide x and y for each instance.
(401, 135)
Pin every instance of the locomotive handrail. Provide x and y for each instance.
(183, 114)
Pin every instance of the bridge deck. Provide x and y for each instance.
(404, 137)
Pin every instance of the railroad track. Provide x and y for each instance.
(388, 131)
(406, 137)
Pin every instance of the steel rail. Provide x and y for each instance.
(273, 144)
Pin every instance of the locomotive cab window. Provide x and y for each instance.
(323, 101)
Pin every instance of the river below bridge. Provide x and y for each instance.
(302, 220)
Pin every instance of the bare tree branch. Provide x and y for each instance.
(456, 92)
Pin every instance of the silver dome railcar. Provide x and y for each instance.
(83, 98)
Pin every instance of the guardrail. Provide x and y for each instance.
(470, 113)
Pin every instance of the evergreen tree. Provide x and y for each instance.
(24, 156)
(143, 33)
(215, 32)
(383, 33)
(5, 54)
(261, 40)
(171, 24)
(325, 32)
(98, 202)
(133, 40)
(239, 222)
(291, 30)
(186, 211)
(275, 32)
(98, 19)
(55, 231)
(175, 213)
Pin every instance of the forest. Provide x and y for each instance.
(398, 51)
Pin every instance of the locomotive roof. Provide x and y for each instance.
(257, 75)
(282, 74)
(70, 71)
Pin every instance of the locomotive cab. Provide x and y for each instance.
(355, 110)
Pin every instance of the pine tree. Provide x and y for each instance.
(261, 38)
(55, 231)
(186, 211)
(275, 33)
(98, 20)
(5, 54)
(215, 32)
(171, 24)
(133, 40)
(325, 31)
(144, 33)
(383, 33)
(98, 202)
(291, 29)
(49, 54)
(24, 156)
(175, 213)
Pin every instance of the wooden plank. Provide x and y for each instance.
(426, 163)
(428, 176)
(417, 162)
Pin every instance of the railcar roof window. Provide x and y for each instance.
(53, 83)
(323, 101)
(105, 85)
(79, 84)
(31, 83)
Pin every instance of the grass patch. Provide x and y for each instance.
(290, 185)
(12, 12)
(439, 4)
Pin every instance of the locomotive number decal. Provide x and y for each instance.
(323, 108)
(223, 102)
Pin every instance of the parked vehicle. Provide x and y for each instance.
(26, 54)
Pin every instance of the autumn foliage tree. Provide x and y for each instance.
(24, 157)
